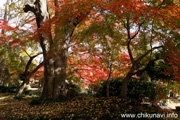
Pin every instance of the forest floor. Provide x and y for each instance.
(78, 108)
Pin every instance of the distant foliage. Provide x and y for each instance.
(73, 89)
(11, 89)
(135, 89)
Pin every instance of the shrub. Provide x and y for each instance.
(9, 89)
(47, 101)
(136, 88)
(34, 101)
(73, 89)
(20, 97)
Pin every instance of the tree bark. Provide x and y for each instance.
(54, 62)
(60, 63)
(21, 89)
(135, 70)
(55, 52)
(125, 82)
(40, 10)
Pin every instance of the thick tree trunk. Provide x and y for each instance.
(60, 63)
(49, 77)
(39, 8)
(55, 58)
(60, 75)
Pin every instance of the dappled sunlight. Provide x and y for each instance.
(2, 98)
(6, 96)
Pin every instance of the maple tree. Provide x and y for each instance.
(92, 67)
(112, 38)
(85, 41)
(16, 60)
(55, 63)
(173, 56)
(144, 17)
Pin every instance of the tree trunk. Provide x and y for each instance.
(107, 89)
(60, 75)
(49, 77)
(60, 63)
(109, 76)
(26, 76)
(21, 89)
(55, 58)
(125, 84)
(40, 11)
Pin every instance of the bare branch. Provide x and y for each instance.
(82, 69)
(36, 55)
(79, 74)
(79, 64)
(128, 30)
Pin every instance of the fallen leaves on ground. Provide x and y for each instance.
(78, 107)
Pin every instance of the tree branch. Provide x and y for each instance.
(29, 62)
(32, 72)
(30, 7)
(26, 52)
(129, 41)
(139, 28)
(145, 54)
(144, 69)
(110, 73)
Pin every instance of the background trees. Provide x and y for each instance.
(145, 19)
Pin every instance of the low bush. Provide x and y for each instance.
(136, 88)
(35, 101)
(10, 89)
(20, 97)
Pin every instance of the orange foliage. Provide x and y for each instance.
(91, 68)
(173, 59)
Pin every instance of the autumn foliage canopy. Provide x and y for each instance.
(104, 28)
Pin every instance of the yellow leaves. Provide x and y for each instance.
(90, 107)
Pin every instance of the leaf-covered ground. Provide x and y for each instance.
(84, 108)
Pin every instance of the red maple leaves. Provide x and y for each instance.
(173, 58)
(91, 69)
